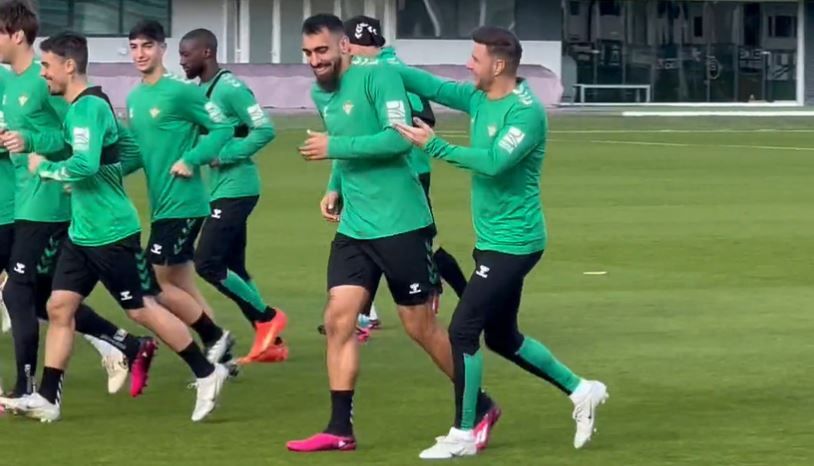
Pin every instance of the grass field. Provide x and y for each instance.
(701, 328)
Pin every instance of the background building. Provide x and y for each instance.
(675, 51)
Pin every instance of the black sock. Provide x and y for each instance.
(341, 422)
(208, 331)
(89, 322)
(268, 315)
(450, 271)
(19, 299)
(484, 405)
(196, 361)
(51, 388)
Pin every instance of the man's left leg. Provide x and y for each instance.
(503, 336)
(220, 260)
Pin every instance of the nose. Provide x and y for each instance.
(313, 60)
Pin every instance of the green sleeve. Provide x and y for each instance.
(86, 130)
(335, 181)
(251, 114)
(129, 152)
(199, 110)
(522, 132)
(386, 92)
(452, 94)
(46, 141)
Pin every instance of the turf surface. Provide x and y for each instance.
(701, 327)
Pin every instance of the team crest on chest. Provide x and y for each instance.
(348, 107)
(22, 99)
(492, 130)
(154, 112)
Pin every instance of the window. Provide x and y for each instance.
(698, 26)
(101, 17)
(610, 8)
(782, 26)
(456, 19)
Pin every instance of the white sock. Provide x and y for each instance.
(104, 348)
(373, 314)
(582, 390)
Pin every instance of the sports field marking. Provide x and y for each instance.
(671, 144)
(456, 133)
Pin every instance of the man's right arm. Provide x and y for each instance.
(334, 181)
(129, 152)
(453, 94)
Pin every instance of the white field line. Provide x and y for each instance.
(672, 144)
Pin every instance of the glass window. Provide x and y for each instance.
(456, 19)
(351, 8)
(137, 10)
(100, 17)
(685, 51)
(96, 17)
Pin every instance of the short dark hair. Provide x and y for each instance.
(69, 45)
(204, 36)
(501, 43)
(148, 29)
(18, 15)
(315, 24)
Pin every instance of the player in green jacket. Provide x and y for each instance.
(508, 140)
(366, 39)
(103, 242)
(384, 226)
(220, 257)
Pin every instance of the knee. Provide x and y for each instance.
(340, 322)
(210, 270)
(60, 312)
(463, 334)
(502, 343)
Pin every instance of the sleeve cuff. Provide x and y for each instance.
(338, 147)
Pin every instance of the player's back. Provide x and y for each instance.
(506, 206)
(29, 108)
(381, 195)
(158, 121)
(102, 212)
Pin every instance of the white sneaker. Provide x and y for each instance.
(115, 363)
(215, 353)
(37, 407)
(5, 320)
(457, 443)
(209, 389)
(587, 397)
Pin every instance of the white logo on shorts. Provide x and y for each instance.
(415, 288)
(216, 213)
(483, 271)
(20, 268)
(156, 249)
(125, 296)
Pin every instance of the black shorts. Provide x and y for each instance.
(6, 240)
(222, 244)
(35, 250)
(405, 260)
(424, 178)
(121, 267)
(172, 241)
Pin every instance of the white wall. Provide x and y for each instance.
(457, 52)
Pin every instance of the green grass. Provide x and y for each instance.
(701, 328)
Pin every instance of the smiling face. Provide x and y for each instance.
(147, 54)
(324, 51)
